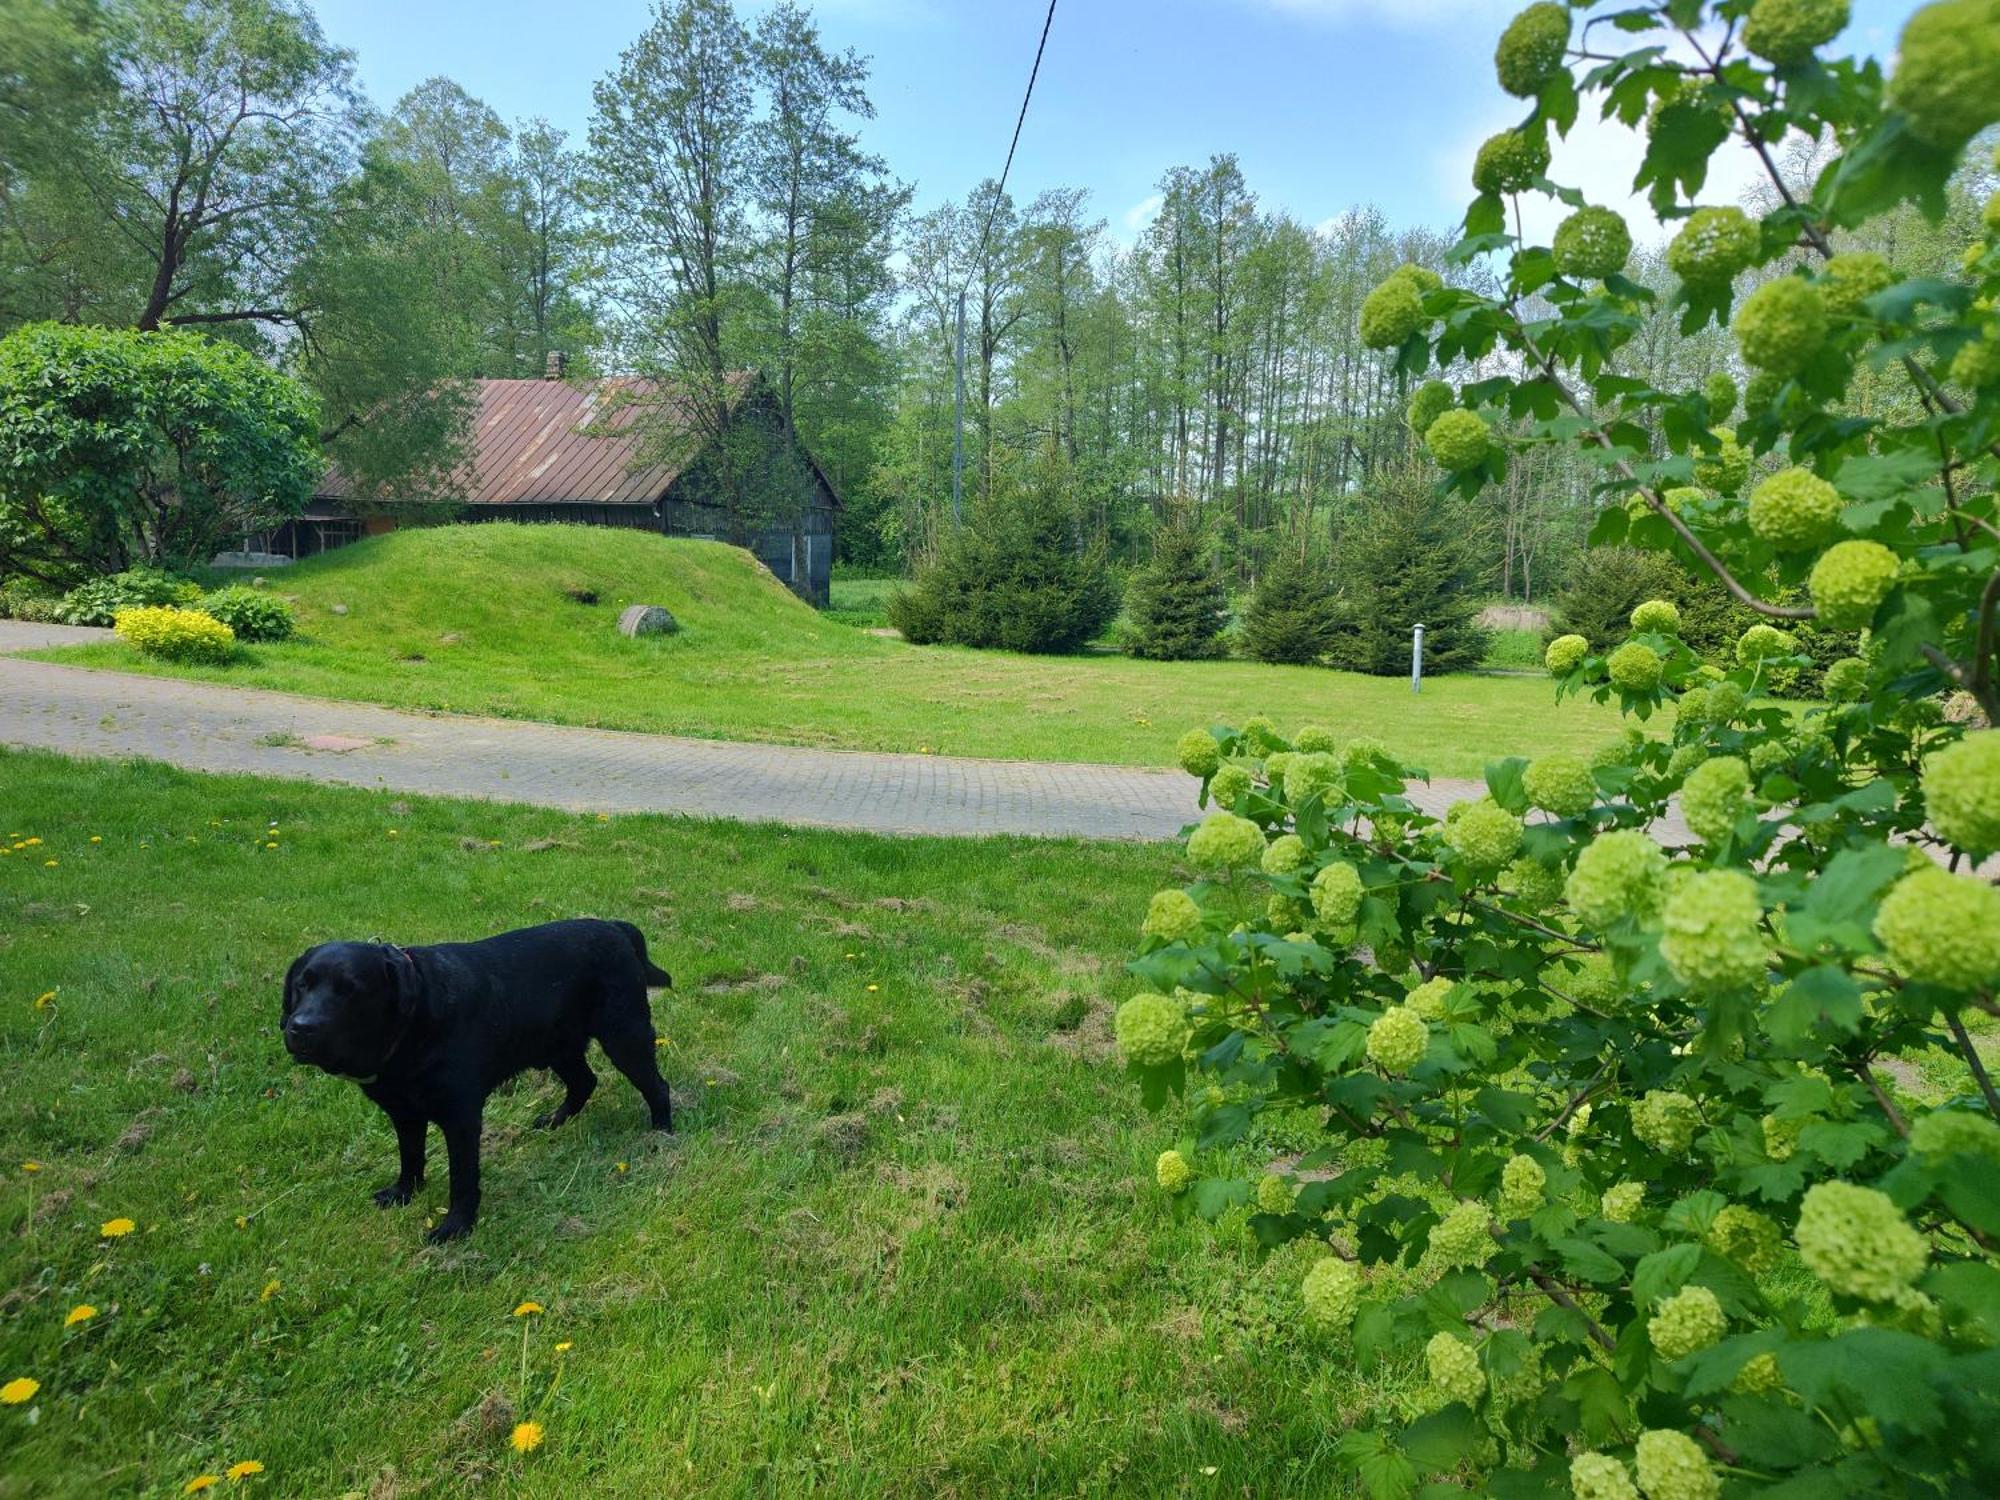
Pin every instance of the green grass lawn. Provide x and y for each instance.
(475, 619)
(905, 1241)
(861, 601)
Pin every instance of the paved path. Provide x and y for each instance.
(205, 726)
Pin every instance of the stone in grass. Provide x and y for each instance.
(647, 619)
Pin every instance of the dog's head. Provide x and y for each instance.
(348, 1005)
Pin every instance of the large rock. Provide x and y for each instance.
(647, 619)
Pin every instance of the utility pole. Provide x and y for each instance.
(958, 426)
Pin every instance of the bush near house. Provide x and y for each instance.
(251, 613)
(171, 634)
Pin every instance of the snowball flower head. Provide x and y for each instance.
(1942, 928)
(1523, 1184)
(1198, 753)
(1537, 886)
(1428, 998)
(1152, 1030)
(1309, 775)
(1712, 935)
(1856, 1241)
(1172, 1172)
(1787, 31)
(1285, 855)
(1846, 680)
(1691, 1319)
(1463, 1237)
(1331, 1292)
(1665, 1119)
(1398, 1039)
(1392, 312)
(1483, 833)
(1315, 739)
(1713, 246)
(1849, 280)
(1622, 1201)
(1454, 1368)
(1962, 792)
(1564, 652)
(1955, 1132)
(1598, 1476)
(1228, 785)
(1720, 391)
(1977, 363)
(1511, 161)
(1274, 1194)
(1660, 616)
(1172, 916)
(1634, 668)
(1947, 78)
(1745, 1236)
(1761, 643)
(1781, 326)
(1592, 243)
(1432, 400)
(1458, 440)
(1712, 797)
(1794, 509)
(1530, 53)
(1223, 841)
(1617, 874)
(1672, 1466)
(1724, 470)
(1850, 581)
(1336, 894)
(1560, 783)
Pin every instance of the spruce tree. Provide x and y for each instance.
(1292, 614)
(1409, 556)
(1177, 604)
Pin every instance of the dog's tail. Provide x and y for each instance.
(655, 975)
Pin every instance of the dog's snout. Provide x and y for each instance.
(300, 1030)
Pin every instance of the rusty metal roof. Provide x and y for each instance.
(555, 442)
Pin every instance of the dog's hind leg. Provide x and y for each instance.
(632, 1053)
(580, 1083)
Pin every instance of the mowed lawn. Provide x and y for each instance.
(906, 1241)
(477, 619)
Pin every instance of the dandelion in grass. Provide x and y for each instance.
(96, 838)
(527, 1437)
(622, 1167)
(564, 1347)
(31, 1167)
(238, 1472)
(873, 988)
(45, 1000)
(271, 1289)
(528, 1309)
(199, 1483)
(50, 864)
(116, 1229)
(83, 1312)
(18, 1390)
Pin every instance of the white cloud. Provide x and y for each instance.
(1134, 220)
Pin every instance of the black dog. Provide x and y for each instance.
(428, 1033)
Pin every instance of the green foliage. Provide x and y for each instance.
(1629, 1163)
(123, 447)
(252, 613)
(1017, 577)
(1177, 605)
(1404, 557)
(98, 601)
(1292, 615)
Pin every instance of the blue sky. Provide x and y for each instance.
(1328, 103)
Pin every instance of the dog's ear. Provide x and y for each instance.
(292, 980)
(406, 982)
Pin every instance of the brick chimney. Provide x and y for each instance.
(557, 366)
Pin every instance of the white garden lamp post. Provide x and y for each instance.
(1417, 660)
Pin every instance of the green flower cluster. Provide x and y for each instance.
(1311, 774)
(1720, 391)
(1564, 652)
(1454, 1369)
(1364, 750)
(1759, 1374)
(1955, 1132)
(1947, 78)
(1712, 934)
(1856, 1241)
(1617, 875)
(1847, 281)
(1315, 739)
(1398, 1039)
(1172, 916)
(1634, 668)
(1331, 1293)
(1523, 1186)
(1686, 757)
(1713, 247)
(1536, 885)
(1660, 616)
(1746, 1237)
(1459, 439)
(1223, 841)
(1285, 855)
(1724, 470)
(1228, 786)
(1511, 161)
(1428, 998)
(1762, 642)
(1622, 1201)
(1942, 929)
(1691, 1319)
(1665, 1119)
(1850, 581)
(1484, 833)
(1781, 1137)
(1785, 32)
(1560, 783)
(1336, 894)
(1712, 797)
(1274, 1194)
(1172, 1172)
(1152, 1030)
(1531, 49)
(1845, 680)
(1598, 1476)
(1794, 509)
(1672, 1466)
(1781, 326)
(1962, 792)
(1463, 1237)
(1198, 753)
(1977, 363)
(1595, 981)
(1392, 312)
(1592, 243)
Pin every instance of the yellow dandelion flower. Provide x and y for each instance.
(238, 1472)
(242, 1221)
(270, 846)
(528, 1309)
(873, 988)
(45, 1000)
(850, 955)
(83, 1312)
(199, 1483)
(116, 1229)
(31, 1166)
(33, 843)
(622, 1166)
(392, 833)
(19, 1389)
(50, 864)
(604, 817)
(564, 1347)
(271, 1289)
(527, 1437)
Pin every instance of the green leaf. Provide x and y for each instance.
(1588, 1263)
(1882, 1371)
(1970, 1290)
(1823, 994)
(1503, 780)
(1663, 1273)
(1842, 1143)
(1602, 1409)
(1505, 1108)
(1442, 1439)
(1214, 1196)
(1767, 1432)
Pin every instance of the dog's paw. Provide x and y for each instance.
(451, 1227)
(395, 1195)
(550, 1120)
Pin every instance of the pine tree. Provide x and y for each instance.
(1177, 603)
(1293, 614)
(1409, 557)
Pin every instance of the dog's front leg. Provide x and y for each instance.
(461, 1145)
(411, 1127)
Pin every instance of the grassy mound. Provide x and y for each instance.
(480, 619)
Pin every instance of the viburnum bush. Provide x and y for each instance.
(1614, 1150)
